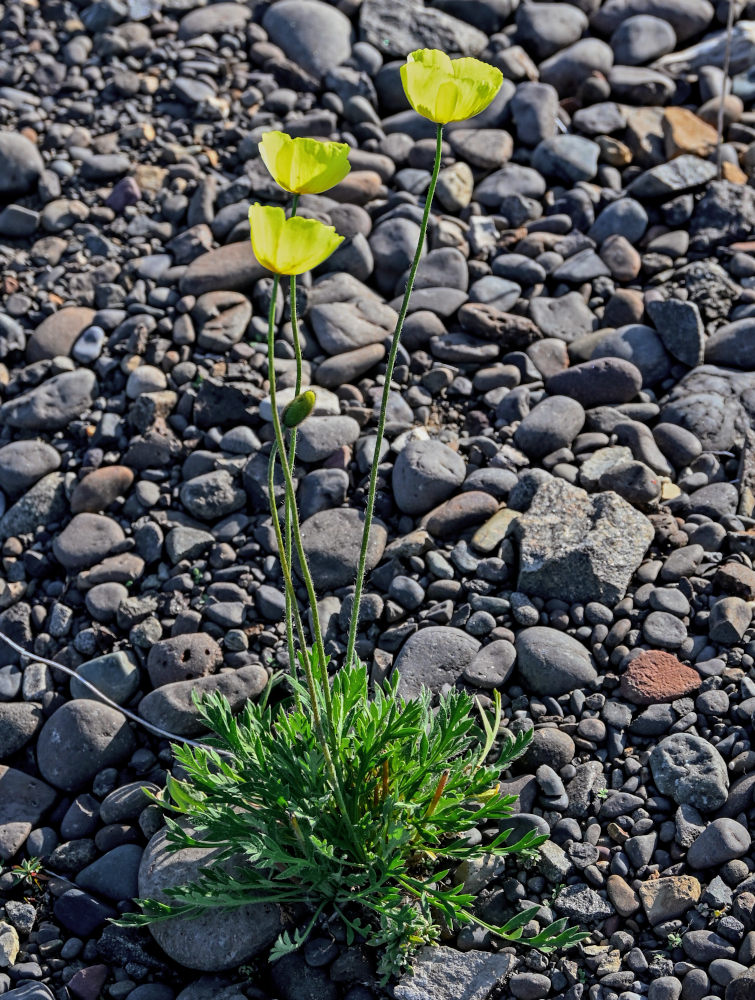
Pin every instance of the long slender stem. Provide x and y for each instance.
(292, 611)
(303, 565)
(384, 405)
(291, 460)
(280, 445)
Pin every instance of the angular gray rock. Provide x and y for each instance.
(578, 547)
(216, 939)
(448, 974)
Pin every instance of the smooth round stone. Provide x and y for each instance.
(104, 599)
(86, 540)
(639, 344)
(599, 382)
(641, 39)
(548, 746)
(623, 217)
(145, 378)
(115, 674)
(492, 665)
(332, 540)
(679, 445)
(721, 841)
(114, 875)
(19, 721)
(80, 739)
(57, 334)
(552, 424)
(691, 771)
(89, 344)
(425, 474)
(209, 942)
(552, 662)
(433, 657)
(664, 630)
(23, 463)
(21, 165)
(319, 437)
(569, 158)
(100, 488)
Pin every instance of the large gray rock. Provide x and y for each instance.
(578, 547)
(397, 27)
(425, 474)
(53, 404)
(215, 940)
(433, 657)
(80, 739)
(552, 662)
(691, 771)
(448, 974)
(332, 539)
(315, 35)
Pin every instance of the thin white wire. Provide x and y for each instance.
(108, 701)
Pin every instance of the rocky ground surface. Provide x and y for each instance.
(567, 488)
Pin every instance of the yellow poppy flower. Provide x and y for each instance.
(289, 246)
(304, 166)
(448, 90)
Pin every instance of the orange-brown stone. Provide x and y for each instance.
(655, 676)
(684, 132)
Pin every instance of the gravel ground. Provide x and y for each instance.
(566, 494)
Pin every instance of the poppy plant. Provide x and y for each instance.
(289, 246)
(448, 90)
(304, 166)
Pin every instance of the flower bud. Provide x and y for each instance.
(298, 409)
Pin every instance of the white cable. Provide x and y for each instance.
(108, 701)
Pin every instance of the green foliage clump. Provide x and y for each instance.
(413, 781)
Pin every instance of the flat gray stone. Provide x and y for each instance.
(578, 547)
(425, 474)
(172, 707)
(448, 974)
(53, 404)
(217, 939)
